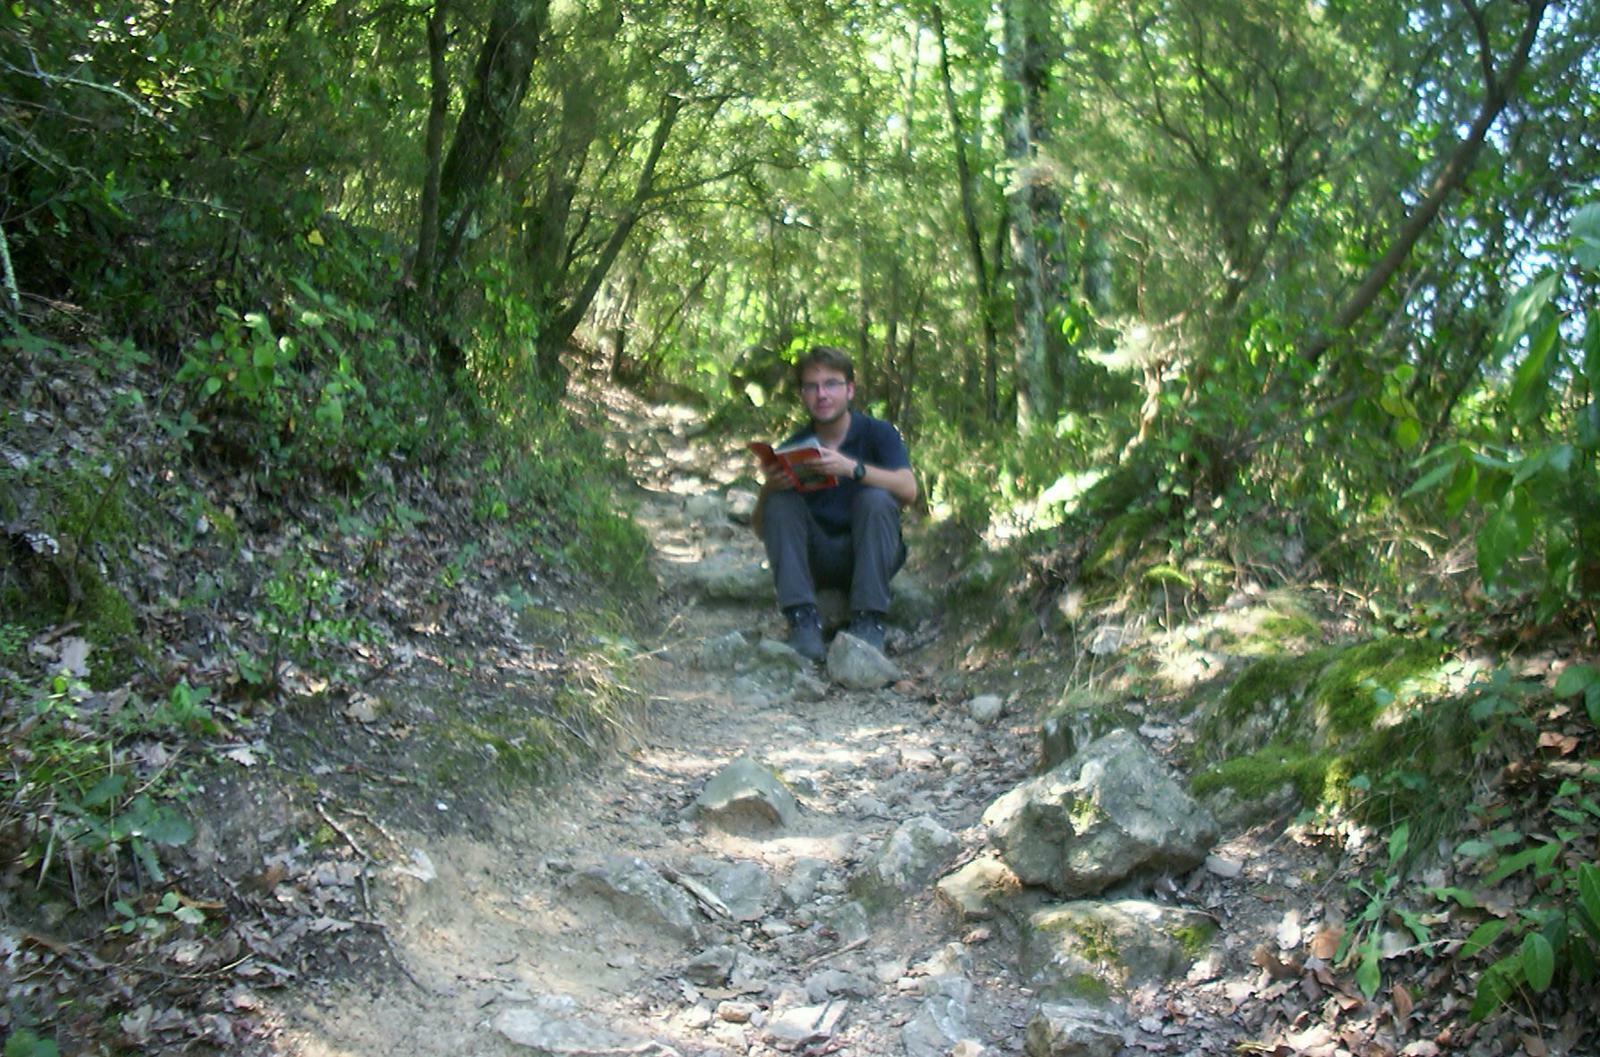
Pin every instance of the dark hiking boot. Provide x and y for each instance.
(805, 632)
(868, 627)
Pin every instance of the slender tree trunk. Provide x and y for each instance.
(560, 327)
(1032, 375)
(423, 263)
(983, 279)
(1497, 90)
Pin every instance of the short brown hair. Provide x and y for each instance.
(830, 356)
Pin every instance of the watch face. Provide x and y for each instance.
(859, 472)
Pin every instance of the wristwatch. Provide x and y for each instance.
(859, 472)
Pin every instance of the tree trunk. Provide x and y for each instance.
(423, 263)
(558, 329)
(1032, 373)
(983, 279)
(1497, 89)
(499, 83)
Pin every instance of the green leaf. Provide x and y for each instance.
(1408, 433)
(1503, 536)
(1482, 937)
(1462, 488)
(164, 825)
(1538, 961)
(1460, 896)
(1586, 237)
(105, 790)
(1533, 370)
(1524, 308)
(1494, 987)
(1367, 975)
(1589, 890)
(1432, 478)
(1575, 679)
(24, 1043)
(190, 915)
(1399, 840)
(1474, 849)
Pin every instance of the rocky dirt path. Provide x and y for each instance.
(618, 916)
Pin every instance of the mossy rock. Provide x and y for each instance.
(1081, 716)
(1322, 698)
(1123, 944)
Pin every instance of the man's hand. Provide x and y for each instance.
(779, 478)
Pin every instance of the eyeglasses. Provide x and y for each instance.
(827, 385)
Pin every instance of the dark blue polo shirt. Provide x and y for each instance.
(870, 440)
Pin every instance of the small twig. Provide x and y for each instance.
(846, 949)
(323, 811)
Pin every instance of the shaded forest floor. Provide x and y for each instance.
(390, 882)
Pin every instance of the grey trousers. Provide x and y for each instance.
(804, 557)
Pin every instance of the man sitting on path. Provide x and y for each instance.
(846, 536)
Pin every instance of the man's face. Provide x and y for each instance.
(826, 393)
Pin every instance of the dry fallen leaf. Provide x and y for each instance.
(1325, 944)
(1402, 1002)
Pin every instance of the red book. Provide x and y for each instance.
(794, 459)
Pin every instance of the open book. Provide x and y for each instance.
(793, 458)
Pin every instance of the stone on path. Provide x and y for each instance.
(804, 1026)
(1111, 812)
(711, 967)
(1075, 1031)
(912, 856)
(941, 1022)
(725, 653)
(745, 888)
(986, 708)
(731, 576)
(552, 1028)
(856, 666)
(746, 793)
(638, 893)
(975, 892)
(1122, 944)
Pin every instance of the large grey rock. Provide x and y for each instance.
(912, 856)
(725, 653)
(552, 1027)
(1064, 1030)
(857, 666)
(1111, 812)
(941, 1021)
(637, 892)
(711, 967)
(847, 921)
(745, 888)
(910, 601)
(731, 576)
(746, 794)
(1088, 949)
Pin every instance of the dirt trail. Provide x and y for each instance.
(489, 924)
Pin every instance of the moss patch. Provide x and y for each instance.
(1195, 938)
(1262, 772)
(1347, 687)
(1359, 681)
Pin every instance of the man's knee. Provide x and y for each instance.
(783, 512)
(874, 502)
